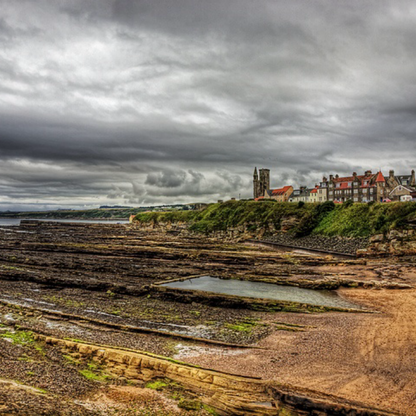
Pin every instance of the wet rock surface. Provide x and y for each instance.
(94, 283)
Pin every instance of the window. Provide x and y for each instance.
(355, 191)
(355, 199)
(371, 190)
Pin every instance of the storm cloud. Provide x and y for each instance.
(159, 101)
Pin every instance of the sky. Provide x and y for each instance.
(149, 102)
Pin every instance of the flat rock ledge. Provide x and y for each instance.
(229, 394)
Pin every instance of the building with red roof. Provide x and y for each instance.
(372, 187)
(357, 188)
(280, 194)
(314, 194)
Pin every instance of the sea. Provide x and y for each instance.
(16, 221)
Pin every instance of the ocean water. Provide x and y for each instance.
(16, 221)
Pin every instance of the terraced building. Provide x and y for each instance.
(371, 187)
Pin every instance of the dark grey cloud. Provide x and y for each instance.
(128, 101)
(166, 179)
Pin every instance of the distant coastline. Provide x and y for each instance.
(92, 214)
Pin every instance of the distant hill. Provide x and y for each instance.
(121, 213)
(114, 206)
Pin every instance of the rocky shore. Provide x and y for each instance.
(91, 288)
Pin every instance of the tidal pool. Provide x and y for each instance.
(264, 291)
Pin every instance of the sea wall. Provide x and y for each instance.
(336, 244)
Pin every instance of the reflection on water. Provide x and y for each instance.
(16, 221)
(87, 221)
(9, 221)
(263, 290)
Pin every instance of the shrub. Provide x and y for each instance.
(311, 219)
(347, 203)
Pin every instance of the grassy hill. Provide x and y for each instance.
(349, 220)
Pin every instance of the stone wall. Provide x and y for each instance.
(340, 245)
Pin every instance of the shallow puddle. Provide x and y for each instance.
(263, 291)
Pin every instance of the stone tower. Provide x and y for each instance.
(261, 182)
(264, 181)
(256, 183)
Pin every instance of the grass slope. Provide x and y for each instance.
(361, 220)
(230, 214)
(349, 220)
